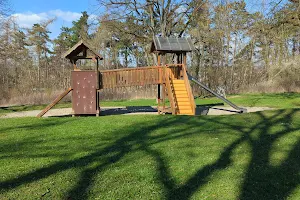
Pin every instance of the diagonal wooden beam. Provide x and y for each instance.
(54, 102)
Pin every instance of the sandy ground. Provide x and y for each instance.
(134, 110)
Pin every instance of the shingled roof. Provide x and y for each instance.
(81, 46)
(171, 45)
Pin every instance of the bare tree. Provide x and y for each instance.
(5, 9)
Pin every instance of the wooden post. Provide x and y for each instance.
(74, 64)
(179, 61)
(163, 62)
(159, 60)
(158, 98)
(184, 59)
(97, 64)
(158, 86)
(178, 58)
(164, 92)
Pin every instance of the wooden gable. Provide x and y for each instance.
(81, 50)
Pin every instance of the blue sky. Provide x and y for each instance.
(28, 12)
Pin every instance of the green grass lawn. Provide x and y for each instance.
(280, 100)
(275, 100)
(248, 156)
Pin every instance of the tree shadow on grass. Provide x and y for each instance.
(108, 156)
(128, 110)
(262, 181)
(43, 123)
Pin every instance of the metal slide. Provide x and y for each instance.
(241, 110)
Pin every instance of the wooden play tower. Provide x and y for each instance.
(171, 79)
(175, 83)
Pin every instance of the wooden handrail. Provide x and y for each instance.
(189, 89)
(174, 65)
(170, 92)
(129, 69)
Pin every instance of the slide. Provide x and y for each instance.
(241, 110)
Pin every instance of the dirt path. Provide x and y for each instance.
(133, 110)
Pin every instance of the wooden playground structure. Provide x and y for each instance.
(172, 80)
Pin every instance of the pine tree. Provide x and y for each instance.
(38, 37)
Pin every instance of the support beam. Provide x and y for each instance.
(74, 63)
(158, 86)
(97, 67)
(158, 98)
(184, 59)
(159, 60)
(54, 102)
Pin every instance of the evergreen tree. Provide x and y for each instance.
(70, 36)
(38, 37)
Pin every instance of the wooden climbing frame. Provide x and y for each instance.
(172, 77)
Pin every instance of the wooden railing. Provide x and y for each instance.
(189, 89)
(169, 75)
(131, 77)
(175, 70)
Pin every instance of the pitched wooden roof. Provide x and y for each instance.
(81, 46)
(172, 45)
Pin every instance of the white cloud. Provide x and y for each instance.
(63, 18)
(26, 20)
(65, 15)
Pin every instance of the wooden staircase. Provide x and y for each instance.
(179, 92)
(181, 98)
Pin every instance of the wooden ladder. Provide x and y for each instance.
(54, 102)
